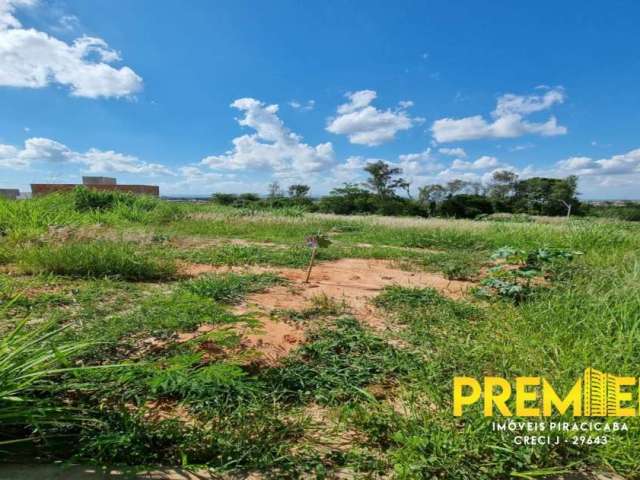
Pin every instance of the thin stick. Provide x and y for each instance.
(313, 256)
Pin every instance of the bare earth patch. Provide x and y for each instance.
(351, 281)
(265, 344)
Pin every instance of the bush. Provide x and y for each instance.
(85, 199)
(224, 198)
(97, 259)
(465, 206)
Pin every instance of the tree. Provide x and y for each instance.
(565, 193)
(546, 196)
(502, 185)
(298, 191)
(431, 193)
(274, 190)
(382, 181)
(224, 198)
(406, 186)
(455, 186)
(476, 188)
(465, 206)
(348, 199)
(431, 196)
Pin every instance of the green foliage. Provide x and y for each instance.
(97, 259)
(545, 196)
(85, 199)
(6, 255)
(30, 360)
(182, 376)
(297, 256)
(387, 393)
(336, 363)
(629, 211)
(465, 206)
(394, 297)
(230, 288)
(518, 284)
(157, 316)
(353, 199)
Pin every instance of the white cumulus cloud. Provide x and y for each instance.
(33, 59)
(303, 106)
(37, 150)
(623, 164)
(508, 119)
(364, 124)
(273, 146)
(483, 163)
(453, 152)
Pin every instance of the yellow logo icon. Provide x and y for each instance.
(595, 394)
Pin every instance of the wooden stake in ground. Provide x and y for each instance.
(313, 257)
(314, 242)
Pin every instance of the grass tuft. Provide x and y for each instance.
(97, 259)
(231, 288)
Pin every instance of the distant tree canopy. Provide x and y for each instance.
(458, 198)
(382, 179)
(546, 196)
(299, 191)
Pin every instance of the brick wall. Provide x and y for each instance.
(39, 189)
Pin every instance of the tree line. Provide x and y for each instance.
(386, 192)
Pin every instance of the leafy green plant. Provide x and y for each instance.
(515, 279)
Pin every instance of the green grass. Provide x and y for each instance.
(337, 363)
(30, 362)
(231, 288)
(248, 417)
(294, 256)
(96, 259)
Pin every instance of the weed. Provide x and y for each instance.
(29, 362)
(97, 259)
(335, 363)
(231, 288)
(394, 297)
(297, 256)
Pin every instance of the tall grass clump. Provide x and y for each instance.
(29, 360)
(115, 206)
(28, 218)
(97, 259)
(231, 288)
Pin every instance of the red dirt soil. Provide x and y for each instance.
(351, 281)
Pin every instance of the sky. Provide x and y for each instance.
(206, 96)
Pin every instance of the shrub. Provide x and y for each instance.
(97, 259)
(85, 199)
(465, 206)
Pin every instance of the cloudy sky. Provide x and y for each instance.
(228, 95)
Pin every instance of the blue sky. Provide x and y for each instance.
(205, 96)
